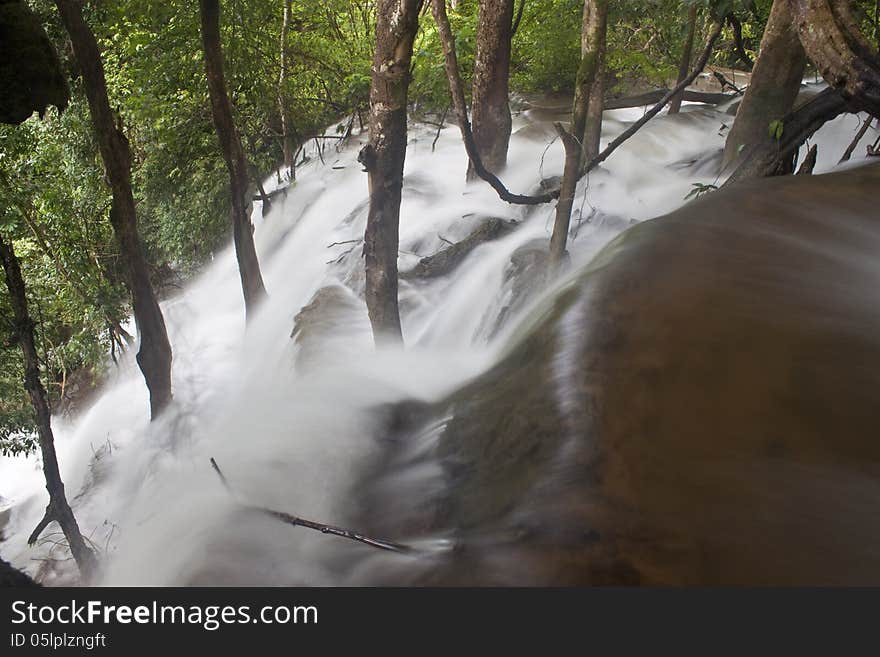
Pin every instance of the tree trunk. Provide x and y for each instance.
(831, 38)
(287, 144)
(586, 121)
(233, 153)
(491, 103)
(776, 80)
(714, 33)
(154, 356)
(559, 238)
(685, 64)
(593, 32)
(593, 28)
(456, 90)
(58, 509)
(383, 157)
(774, 157)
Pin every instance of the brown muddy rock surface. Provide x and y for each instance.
(699, 408)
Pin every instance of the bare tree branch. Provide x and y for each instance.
(311, 524)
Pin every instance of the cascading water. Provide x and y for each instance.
(293, 421)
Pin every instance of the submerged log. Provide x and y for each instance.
(444, 261)
(651, 97)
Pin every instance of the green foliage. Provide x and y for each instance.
(775, 129)
(429, 89)
(699, 189)
(54, 208)
(547, 47)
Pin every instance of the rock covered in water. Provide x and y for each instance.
(699, 409)
(445, 260)
(333, 313)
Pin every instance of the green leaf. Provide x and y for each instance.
(775, 129)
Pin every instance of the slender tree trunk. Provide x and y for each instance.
(491, 102)
(233, 153)
(593, 37)
(615, 143)
(776, 80)
(58, 509)
(383, 157)
(559, 238)
(456, 90)
(593, 29)
(685, 65)
(586, 122)
(154, 356)
(287, 144)
(738, 46)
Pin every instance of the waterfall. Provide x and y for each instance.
(291, 421)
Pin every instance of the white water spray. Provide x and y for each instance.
(291, 422)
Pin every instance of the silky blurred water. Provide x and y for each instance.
(291, 432)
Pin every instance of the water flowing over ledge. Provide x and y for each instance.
(296, 423)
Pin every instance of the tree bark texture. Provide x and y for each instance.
(383, 158)
(490, 109)
(456, 90)
(559, 237)
(58, 509)
(593, 29)
(586, 121)
(831, 38)
(776, 80)
(154, 355)
(597, 24)
(230, 143)
(687, 52)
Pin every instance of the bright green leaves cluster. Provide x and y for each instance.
(775, 129)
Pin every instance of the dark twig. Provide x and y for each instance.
(439, 128)
(345, 242)
(736, 26)
(725, 83)
(855, 142)
(311, 524)
(516, 21)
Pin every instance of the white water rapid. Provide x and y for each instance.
(291, 422)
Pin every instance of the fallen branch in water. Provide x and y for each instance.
(310, 524)
(809, 162)
(855, 142)
(651, 97)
